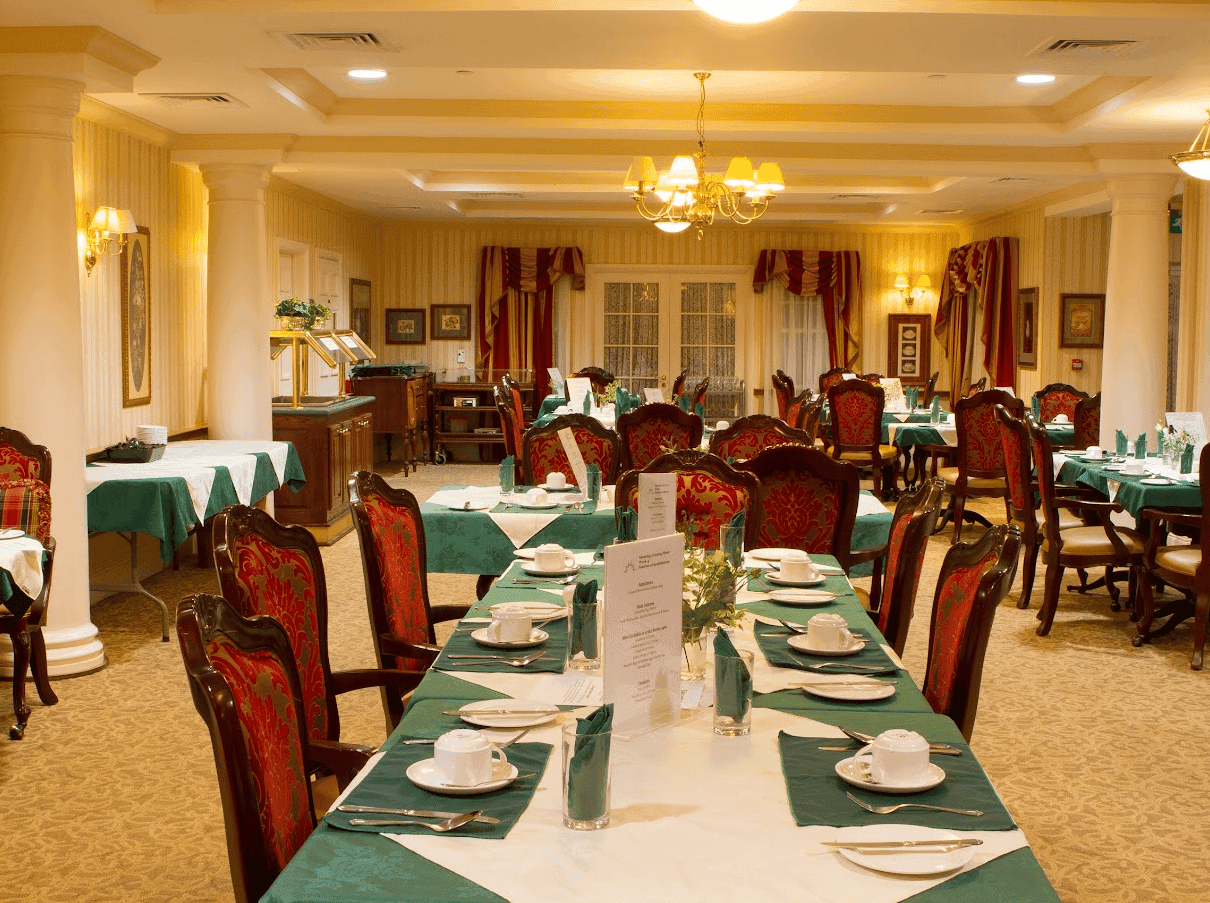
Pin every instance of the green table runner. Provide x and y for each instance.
(554, 652)
(1014, 877)
(889, 420)
(773, 642)
(388, 785)
(907, 698)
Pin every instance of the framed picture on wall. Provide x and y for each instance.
(451, 321)
(1027, 328)
(136, 319)
(1083, 321)
(359, 308)
(908, 348)
(405, 326)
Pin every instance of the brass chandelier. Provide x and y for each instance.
(685, 195)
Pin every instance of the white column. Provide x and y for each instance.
(1134, 369)
(239, 309)
(41, 342)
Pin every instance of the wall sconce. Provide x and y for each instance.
(911, 295)
(107, 233)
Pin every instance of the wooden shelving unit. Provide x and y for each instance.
(464, 411)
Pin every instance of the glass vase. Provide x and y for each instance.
(693, 655)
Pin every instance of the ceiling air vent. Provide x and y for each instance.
(336, 40)
(939, 212)
(854, 197)
(1006, 179)
(494, 196)
(1086, 47)
(180, 99)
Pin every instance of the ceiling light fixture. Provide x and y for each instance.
(1196, 160)
(746, 12)
(1036, 78)
(684, 195)
(367, 75)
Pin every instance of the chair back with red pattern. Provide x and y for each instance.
(1018, 467)
(678, 384)
(25, 470)
(511, 427)
(810, 416)
(796, 409)
(808, 501)
(783, 391)
(914, 521)
(1087, 422)
(930, 388)
(1059, 398)
(833, 377)
(597, 376)
(976, 387)
(856, 407)
(267, 568)
(980, 451)
(699, 394)
(744, 438)
(974, 579)
(244, 685)
(653, 429)
(1041, 449)
(542, 449)
(709, 493)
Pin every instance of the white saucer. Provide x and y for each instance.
(525, 554)
(424, 774)
(528, 713)
(11, 534)
(474, 506)
(776, 577)
(851, 694)
(539, 611)
(483, 637)
(1157, 481)
(533, 570)
(802, 597)
(770, 554)
(915, 862)
(855, 774)
(570, 487)
(1112, 466)
(537, 507)
(802, 642)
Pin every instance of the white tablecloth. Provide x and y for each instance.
(22, 558)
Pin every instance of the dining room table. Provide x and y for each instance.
(22, 561)
(915, 439)
(1159, 486)
(693, 815)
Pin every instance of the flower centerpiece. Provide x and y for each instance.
(1179, 440)
(708, 600)
(296, 314)
(609, 394)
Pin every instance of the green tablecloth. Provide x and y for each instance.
(889, 420)
(908, 436)
(549, 403)
(1132, 493)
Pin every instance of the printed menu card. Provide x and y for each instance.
(653, 394)
(574, 458)
(642, 661)
(657, 504)
(577, 388)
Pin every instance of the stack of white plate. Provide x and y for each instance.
(152, 435)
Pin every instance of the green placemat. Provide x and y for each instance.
(554, 652)
(907, 698)
(559, 508)
(773, 642)
(387, 785)
(817, 794)
(509, 580)
(833, 583)
(1014, 877)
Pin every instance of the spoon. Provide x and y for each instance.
(822, 665)
(943, 748)
(441, 827)
(504, 660)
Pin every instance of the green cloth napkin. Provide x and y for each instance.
(734, 546)
(1140, 446)
(817, 793)
(935, 409)
(554, 652)
(628, 524)
(588, 402)
(387, 785)
(1187, 459)
(683, 402)
(1035, 406)
(774, 643)
(700, 410)
(1121, 439)
(584, 621)
(588, 770)
(732, 680)
(508, 474)
(592, 491)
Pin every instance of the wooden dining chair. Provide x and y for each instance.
(1059, 398)
(783, 391)
(974, 579)
(747, 436)
(810, 420)
(1086, 422)
(796, 408)
(245, 685)
(976, 387)
(930, 389)
(856, 407)
(699, 394)
(542, 449)
(598, 376)
(678, 384)
(913, 523)
(653, 429)
(267, 568)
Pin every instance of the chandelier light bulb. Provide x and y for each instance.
(671, 226)
(746, 12)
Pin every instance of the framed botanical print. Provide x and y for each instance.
(1083, 321)
(405, 326)
(451, 321)
(908, 348)
(136, 318)
(359, 308)
(1027, 328)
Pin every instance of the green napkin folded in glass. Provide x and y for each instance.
(588, 770)
(628, 524)
(733, 539)
(733, 682)
(1140, 446)
(584, 621)
(1121, 440)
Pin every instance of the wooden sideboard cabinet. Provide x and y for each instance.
(466, 424)
(401, 407)
(332, 441)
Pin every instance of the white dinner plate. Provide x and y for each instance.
(1156, 481)
(544, 506)
(528, 713)
(425, 775)
(534, 571)
(473, 506)
(776, 577)
(539, 611)
(11, 534)
(917, 861)
(483, 637)
(802, 642)
(1112, 466)
(856, 773)
(851, 693)
(803, 597)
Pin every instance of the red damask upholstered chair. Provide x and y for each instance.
(653, 429)
(542, 450)
(246, 688)
(978, 471)
(600, 378)
(678, 384)
(1080, 547)
(914, 521)
(856, 408)
(709, 493)
(25, 471)
(699, 394)
(796, 408)
(265, 568)
(512, 419)
(976, 387)
(1059, 398)
(809, 419)
(974, 578)
(833, 377)
(744, 438)
(783, 391)
(1087, 422)
(390, 533)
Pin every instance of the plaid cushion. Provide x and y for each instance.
(25, 505)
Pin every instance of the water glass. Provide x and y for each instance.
(733, 694)
(592, 492)
(584, 635)
(585, 779)
(507, 477)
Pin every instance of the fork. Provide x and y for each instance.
(887, 810)
(566, 581)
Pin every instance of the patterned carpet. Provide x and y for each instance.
(1098, 748)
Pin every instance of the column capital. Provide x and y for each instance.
(36, 105)
(236, 181)
(97, 58)
(1141, 194)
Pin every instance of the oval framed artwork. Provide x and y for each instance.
(136, 318)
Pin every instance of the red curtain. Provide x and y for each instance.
(990, 268)
(515, 310)
(833, 275)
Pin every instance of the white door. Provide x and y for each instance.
(328, 282)
(292, 282)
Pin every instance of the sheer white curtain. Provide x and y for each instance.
(562, 325)
(797, 340)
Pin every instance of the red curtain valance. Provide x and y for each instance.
(990, 268)
(833, 275)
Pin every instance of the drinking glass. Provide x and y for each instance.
(584, 636)
(506, 477)
(585, 779)
(592, 492)
(733, 694)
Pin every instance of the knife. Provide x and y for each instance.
(902, 844)
(523, 713)
(933, 751)
(415, 813)
(944, 748)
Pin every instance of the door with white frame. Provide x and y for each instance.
(329, 284)
(293, 281)
(654, 322)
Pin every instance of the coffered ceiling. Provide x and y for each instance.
(879, 111)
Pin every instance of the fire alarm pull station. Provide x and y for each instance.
(1077, 364)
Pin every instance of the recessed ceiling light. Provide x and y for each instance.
(1035, 79)
(746, 12)
(368, 75)
(464, 72)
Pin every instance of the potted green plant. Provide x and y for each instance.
(296, 314)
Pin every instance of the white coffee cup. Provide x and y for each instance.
(1062, 418)
(556, 480)
(551, 556)
(828, 630)
(1134, 468)
(536, 496)
(796, 567)
(721, 425)
(896, 757)
(511, 623)
(1093, 451)
(465, 757)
